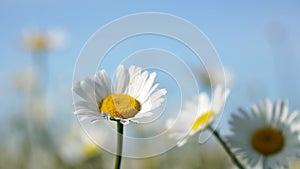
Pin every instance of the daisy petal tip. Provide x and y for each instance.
(164, 91)
(227, 92)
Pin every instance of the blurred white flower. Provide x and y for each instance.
(267, 135)
(132, 96)
(75, 147)
(40, 110)
(25, 80)
(41, 41)
(36, 104)
(216, 76)
(197, 115)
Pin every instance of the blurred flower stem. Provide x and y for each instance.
(40, 65)
(40, 61)
(119, 145)
(226, 148)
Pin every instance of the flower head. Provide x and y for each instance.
(197, 114)
(25, 80)
(132, 96)
(43, 41)
(267, 134)
(76, 147)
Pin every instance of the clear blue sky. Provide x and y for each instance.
(238, 31)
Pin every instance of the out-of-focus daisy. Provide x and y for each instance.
(25, 80)
(40, 110)
(267, 135)
(132, 96)
(39, 41)
(216, 76)
(197, 114)
(77, 147)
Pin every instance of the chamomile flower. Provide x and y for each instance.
(267, 135)
(76, 147)
(25, 80)
(132, 96)
(38, 41)
(197, 114)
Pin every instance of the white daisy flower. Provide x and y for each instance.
(132, 96)
(75, 146)
(267, 135)
(25, 80)
(197, 114)
(38, 41)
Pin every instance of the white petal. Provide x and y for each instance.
(122, 80)
(134, 71)
(86, 105)
(85, 89)
(204, 103)
(103, 86)
(85, 112)
(146, 88)
(139, 83)
(154, 101)
(145, 114)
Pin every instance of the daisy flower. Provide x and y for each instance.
(132, 96)
(38, 41)
(75, 146)
(197, 114)
(267, 135)
(25, 80)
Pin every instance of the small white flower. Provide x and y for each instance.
(197, 114)
(75, 147)
(267, 135)
(38, 41)
(25, 80)
(132, 96)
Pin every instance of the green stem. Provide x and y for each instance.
(119, 145)
(226, 148)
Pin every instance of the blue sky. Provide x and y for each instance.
(238, 30)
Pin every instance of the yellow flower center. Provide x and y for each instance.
(120, 105)
(267, 141)
(91, 149)
(37, 43)
(201, 120)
